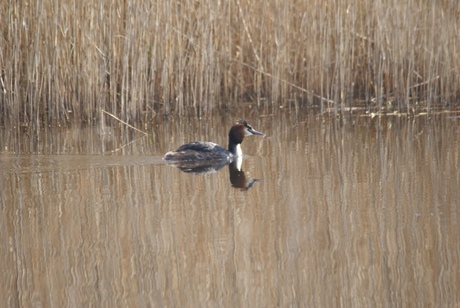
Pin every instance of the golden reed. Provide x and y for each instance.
(64, 60)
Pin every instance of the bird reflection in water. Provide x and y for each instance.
(238, 177)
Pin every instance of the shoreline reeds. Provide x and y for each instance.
(69, 60)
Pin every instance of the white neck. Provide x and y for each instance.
(239, 162)
(238, 151)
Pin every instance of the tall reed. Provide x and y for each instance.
(64, 60)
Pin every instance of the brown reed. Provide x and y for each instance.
(64, 60)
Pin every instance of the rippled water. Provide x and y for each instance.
(326, 213)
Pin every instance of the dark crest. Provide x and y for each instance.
(242, 122)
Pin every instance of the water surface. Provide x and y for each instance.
(353, 212)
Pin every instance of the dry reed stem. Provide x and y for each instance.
(126, 144)
(123, 122)
(63, 60)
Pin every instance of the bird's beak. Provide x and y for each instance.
(254, 132)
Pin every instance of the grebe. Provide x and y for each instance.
(202, 151)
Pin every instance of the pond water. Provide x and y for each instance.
(325, 212)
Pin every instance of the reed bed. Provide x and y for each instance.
(64, 60)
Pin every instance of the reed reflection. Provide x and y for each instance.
(379, 222)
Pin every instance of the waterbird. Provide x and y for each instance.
(206, 151)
